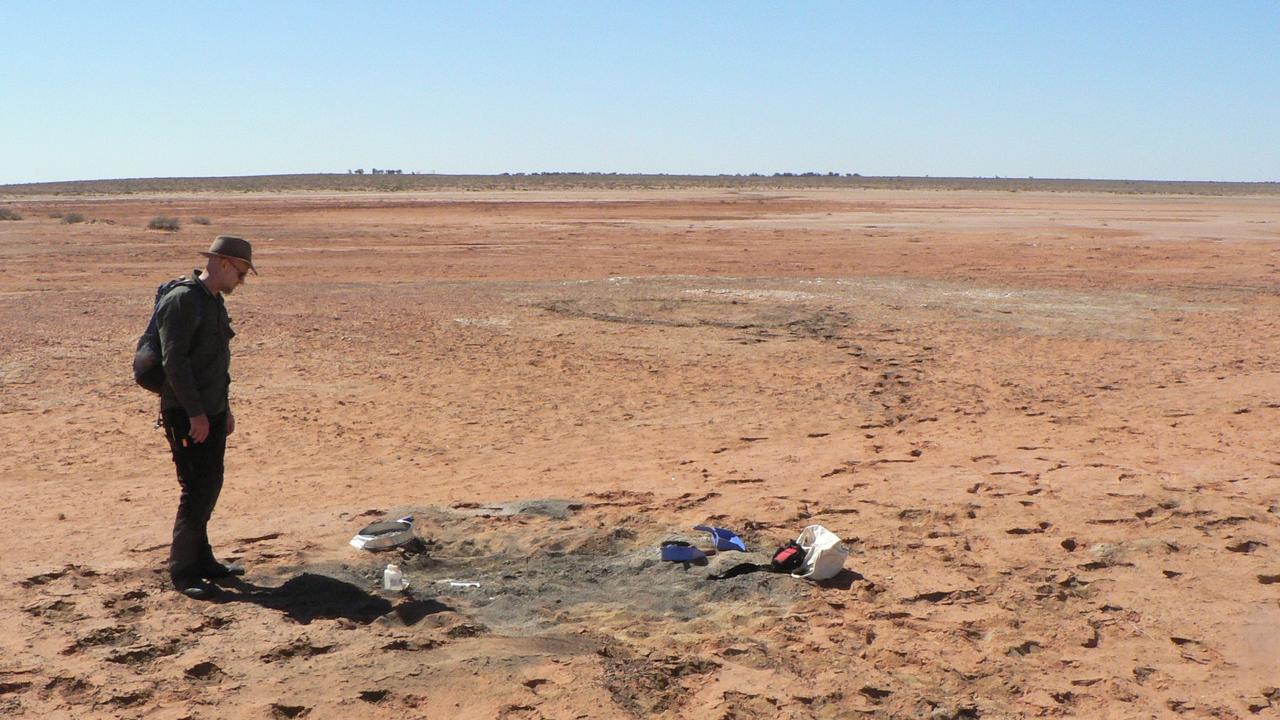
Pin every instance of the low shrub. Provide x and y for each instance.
(71, 218)
(163, 222)
(200, 220)
(7, 214)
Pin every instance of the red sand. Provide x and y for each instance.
(1045, 423)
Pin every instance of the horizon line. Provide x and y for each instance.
(782, 175)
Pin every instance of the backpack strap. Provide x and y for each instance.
(164, 290)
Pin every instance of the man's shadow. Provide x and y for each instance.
(309, 596)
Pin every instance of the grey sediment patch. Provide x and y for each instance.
(539, 571)
(845, 304)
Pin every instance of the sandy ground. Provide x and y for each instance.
(1043, 422)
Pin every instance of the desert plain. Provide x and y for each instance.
(1042, 420)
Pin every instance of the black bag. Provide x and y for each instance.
(148, 362)
(788, 558)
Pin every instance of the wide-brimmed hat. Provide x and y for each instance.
(230, 246)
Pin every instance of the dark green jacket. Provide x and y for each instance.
(196, 347)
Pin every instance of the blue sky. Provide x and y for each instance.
(1146, 90)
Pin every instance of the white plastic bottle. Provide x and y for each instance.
(392, 578)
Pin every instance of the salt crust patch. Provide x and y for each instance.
(493, 321)
(777, 295)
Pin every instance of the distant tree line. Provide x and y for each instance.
(614, 174)
(809, 174)
(376, 171)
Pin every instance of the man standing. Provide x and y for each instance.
(195, 341)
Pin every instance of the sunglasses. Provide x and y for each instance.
(239, 273)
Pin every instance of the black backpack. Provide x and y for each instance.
(148, 362)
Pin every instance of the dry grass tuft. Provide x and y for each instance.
(164, 222)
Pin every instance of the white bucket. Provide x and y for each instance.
(824, 553)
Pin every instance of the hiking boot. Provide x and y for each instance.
(196, 590)
(219, 570)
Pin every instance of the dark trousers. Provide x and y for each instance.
(199, 468)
